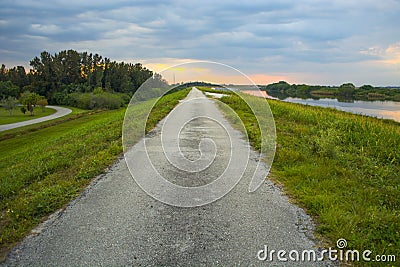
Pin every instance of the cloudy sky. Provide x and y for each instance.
(300, 41)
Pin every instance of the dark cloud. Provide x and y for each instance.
(279, 36)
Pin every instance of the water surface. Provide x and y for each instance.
(379, 109)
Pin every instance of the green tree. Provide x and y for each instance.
(29, 100)
(42, 101)
(367, 87)
(9, 103)
(98, 91)
(3, 73)
(278, 87)
(18, 76)
(43, 74)
(8, 89)
(347, 90)
(96, 71)
(69, 71)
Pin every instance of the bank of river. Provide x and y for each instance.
(379, 109)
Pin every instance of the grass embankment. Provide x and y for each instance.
(342, 168)
(43, 168)
(76, 113)
(18, 116)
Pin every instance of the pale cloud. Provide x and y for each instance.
(3, 22)
(389, 55)
(392, 54)
(127, 30)
(45, 29)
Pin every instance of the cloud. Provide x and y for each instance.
(45, 29)
(260, 37)
(392, 54)
(389, 55)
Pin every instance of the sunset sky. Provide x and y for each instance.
(314, 42)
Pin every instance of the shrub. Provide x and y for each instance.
(98, 100)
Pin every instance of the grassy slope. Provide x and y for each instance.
(18, 116)
(343, 168)
(43, 168)
(76, 113)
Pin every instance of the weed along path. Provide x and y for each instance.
(115, 222)
(59, 113)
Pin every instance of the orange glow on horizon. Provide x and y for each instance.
(389, 55)
(267, 79)
(172, 71)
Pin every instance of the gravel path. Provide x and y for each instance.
(59, 113)
(115, 223)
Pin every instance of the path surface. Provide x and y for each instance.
(115, 223)
(59, 113)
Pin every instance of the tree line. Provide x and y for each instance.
(74, 78)
(346, 91)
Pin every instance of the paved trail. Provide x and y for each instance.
(59, 113)
(115, 222)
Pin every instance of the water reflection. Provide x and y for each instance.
(379, 109)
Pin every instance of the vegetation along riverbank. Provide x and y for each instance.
(342, 168)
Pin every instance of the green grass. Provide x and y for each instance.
(43, 168)
(343, 169)
(76, 113)
(18, 116)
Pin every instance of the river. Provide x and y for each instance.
(379, 109)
